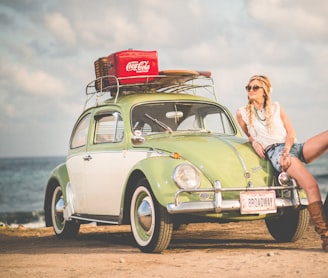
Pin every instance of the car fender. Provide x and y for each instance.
(159, 171)
(59, 176)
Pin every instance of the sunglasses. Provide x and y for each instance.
(254, 88)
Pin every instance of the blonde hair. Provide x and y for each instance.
(267, 88)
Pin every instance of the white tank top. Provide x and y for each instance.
(259, 131)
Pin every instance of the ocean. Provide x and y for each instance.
(23, 182)
(22, 187)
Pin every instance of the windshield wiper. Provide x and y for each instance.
(161, 124)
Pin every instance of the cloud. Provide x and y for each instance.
(301, 20)
(48, 49)
(32, 82)
(8, 109)
(61, 28)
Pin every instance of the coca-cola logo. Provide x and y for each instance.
(138, 66)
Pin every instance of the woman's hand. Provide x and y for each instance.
(285, 160)
(258, 149)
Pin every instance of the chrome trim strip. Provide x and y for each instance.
(247, 174)
(93, 219)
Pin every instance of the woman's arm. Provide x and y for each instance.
(256, 145)
(243, 125)
(290, 139)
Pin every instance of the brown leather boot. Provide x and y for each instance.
(325, 206)
(320, 223)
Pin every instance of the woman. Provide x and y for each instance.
(272, 136)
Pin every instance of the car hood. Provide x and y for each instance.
(229, 159)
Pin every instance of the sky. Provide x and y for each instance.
(48, 49)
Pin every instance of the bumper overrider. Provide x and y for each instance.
(219, 205)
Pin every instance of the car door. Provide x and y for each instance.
(76, 164)
(110, 161)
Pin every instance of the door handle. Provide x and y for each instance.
(87, 157)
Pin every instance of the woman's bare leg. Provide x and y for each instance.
(315, 146)
(304, 179)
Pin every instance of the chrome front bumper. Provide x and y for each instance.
(220, 205)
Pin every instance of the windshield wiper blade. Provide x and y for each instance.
(161, 124)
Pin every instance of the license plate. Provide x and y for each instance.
(258, 202)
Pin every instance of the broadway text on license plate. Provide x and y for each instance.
(258, 202)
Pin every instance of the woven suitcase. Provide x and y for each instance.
(101, 69)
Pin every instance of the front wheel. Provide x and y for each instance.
(62, 228)
(151, 224)
(288, 227)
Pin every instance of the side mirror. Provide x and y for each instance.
(137, 138)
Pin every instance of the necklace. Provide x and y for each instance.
(260, 113)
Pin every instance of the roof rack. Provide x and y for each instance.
(169, 81)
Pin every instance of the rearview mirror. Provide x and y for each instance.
(174, 114)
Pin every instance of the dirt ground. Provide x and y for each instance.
(243, 249)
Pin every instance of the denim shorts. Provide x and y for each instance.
(274, 153)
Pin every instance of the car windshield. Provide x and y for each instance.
(180, 116)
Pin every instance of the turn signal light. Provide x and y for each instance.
(175, 155)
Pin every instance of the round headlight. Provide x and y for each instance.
(284, 179)
(186, 176)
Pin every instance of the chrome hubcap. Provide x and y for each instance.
(145, 214)
(59, 208)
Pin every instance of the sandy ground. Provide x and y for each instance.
(243, 249)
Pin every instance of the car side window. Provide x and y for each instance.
(80, 133)
(109, 128)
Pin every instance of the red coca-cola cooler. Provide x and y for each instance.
(128, 63)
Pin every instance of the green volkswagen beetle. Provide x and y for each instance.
(161, 153)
